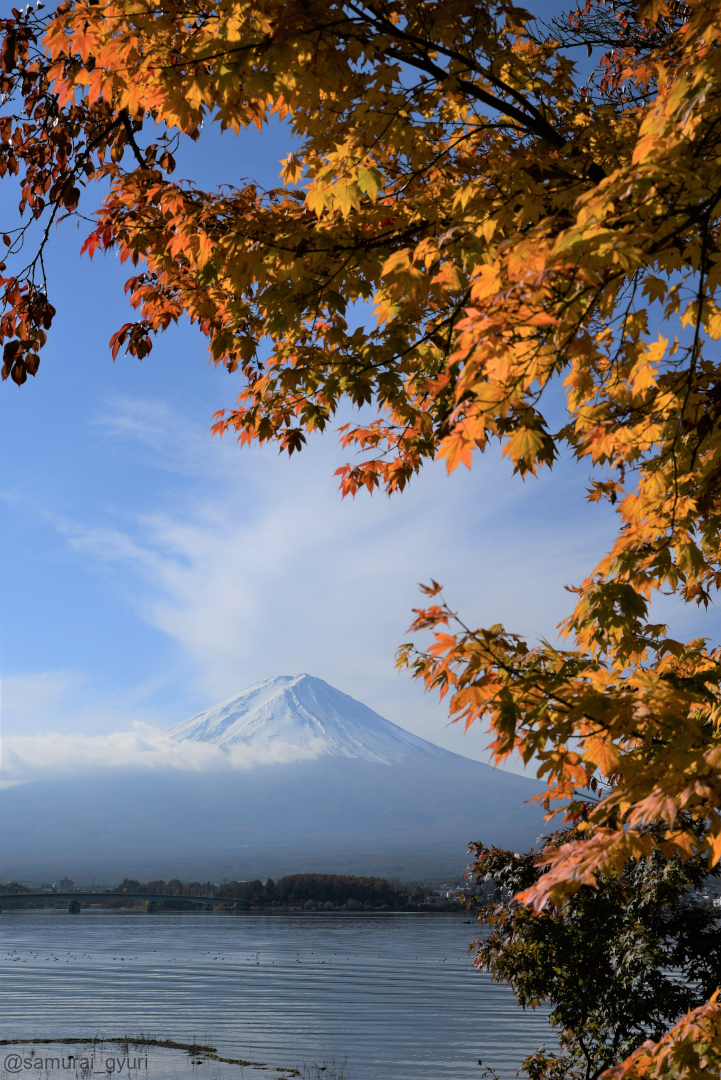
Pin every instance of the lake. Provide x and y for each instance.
(390, 995)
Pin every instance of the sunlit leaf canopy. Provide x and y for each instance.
(514, 224)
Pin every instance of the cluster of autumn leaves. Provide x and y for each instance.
(513, 228)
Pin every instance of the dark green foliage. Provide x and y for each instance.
(15, 888)
(130, 885)
(338, 889)
(174, 887)
(295, 890)
(617, 965)
(335, 889)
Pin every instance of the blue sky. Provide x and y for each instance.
(149, 570)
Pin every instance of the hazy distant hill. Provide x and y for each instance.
(362, 796)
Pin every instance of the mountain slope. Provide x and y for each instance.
(303, 711)
(330, 814)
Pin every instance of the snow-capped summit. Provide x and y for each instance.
(304, 712)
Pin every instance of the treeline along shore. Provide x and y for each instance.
(294, 892)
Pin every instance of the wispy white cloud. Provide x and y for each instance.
(41, 702)
(27, 758)
(27, 697)
(255, 567)
(154, 428)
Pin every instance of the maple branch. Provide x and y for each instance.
(535, 126)
(130, 135)
(461, 58)
(700, 297)
(28, 272)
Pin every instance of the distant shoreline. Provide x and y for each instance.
(253, 912)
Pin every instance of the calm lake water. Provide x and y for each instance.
(392, 996)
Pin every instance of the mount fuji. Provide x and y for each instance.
(302, 778)
(304, 712)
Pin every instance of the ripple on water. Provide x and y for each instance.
(393, 995)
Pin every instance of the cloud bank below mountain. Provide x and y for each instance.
(26, 758)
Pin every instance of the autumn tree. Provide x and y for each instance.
(615, 964)
(517, 224)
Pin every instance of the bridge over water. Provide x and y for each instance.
(74, 899)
